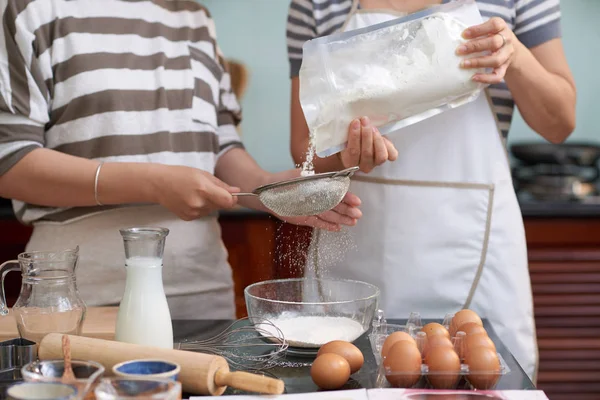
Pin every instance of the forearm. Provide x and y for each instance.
(50, 178)
(545, 100)
(327, 164)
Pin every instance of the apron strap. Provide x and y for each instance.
(403, 182)
(355, 4)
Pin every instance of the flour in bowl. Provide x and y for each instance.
(315, 331)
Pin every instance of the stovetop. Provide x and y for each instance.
(564, 183)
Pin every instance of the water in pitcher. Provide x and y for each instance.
(144, 317)
(49, 300)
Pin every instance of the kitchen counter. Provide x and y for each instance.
(529, 209)
(100, 323)
(547, 209)
(297, 378)
(295, 371)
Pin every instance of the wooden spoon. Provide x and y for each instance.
(68, 375)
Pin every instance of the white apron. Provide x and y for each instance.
(196, 275)
(441, 227)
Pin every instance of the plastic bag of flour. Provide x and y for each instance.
(396, 73)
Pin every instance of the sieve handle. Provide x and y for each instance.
(345, 172)
(244, 194)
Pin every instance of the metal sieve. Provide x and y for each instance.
(306, 195)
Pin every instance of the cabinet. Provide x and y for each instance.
(564, 262)
(564, 257)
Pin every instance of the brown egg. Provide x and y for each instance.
(462, 317)
(403, 364)
(437, 341)
(444, 367)
(330, 371)
(484, 367)
(433, 329)
(477, 340)
(393, 338)
(471, 328)
(350, 352)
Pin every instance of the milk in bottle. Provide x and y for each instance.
(144, 316)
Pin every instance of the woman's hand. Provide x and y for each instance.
(366, 147)
(345, 213)
(191, 193)
(498, 43)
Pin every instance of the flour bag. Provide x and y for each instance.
(397, 73)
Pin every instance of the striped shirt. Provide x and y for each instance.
(112, 80)
(534, 22)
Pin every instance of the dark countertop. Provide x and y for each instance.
(529, 209)
(295, 371)
(539, 209)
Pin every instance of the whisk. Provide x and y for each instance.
(254, 346)
(306, 195)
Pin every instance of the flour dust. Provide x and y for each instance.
(308, 167)
(328, 250)
(317, 259)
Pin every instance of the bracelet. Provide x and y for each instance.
(96, 184)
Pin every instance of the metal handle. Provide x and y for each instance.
(5, 268)
(347, 172)
(243, 194)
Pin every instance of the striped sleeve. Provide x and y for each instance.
(537, 21)
(301, 27)
(23, 95)
(229, 112)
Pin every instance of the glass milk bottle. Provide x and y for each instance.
(144, 316)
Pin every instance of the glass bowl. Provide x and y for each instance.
(310, 312)
(133, 388)
(87, 373)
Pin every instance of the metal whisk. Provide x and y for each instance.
(307, 195)
(254, 346)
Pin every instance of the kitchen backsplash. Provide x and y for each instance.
(253, 32)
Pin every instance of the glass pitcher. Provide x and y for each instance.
(49, 301)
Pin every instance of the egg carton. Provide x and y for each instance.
(465, 379)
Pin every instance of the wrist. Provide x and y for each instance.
(519, 58)
(126, 183)
(340, 159)
(152, 181)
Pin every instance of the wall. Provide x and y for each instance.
(581, 34)
(253, 31)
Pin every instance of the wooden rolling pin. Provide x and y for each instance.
(201, 373)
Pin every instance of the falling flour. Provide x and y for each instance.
(308, 167)
(314, 331)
